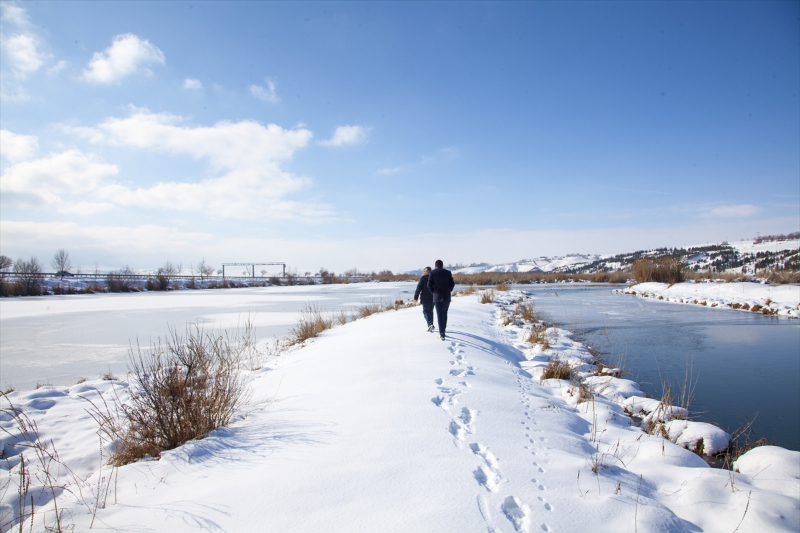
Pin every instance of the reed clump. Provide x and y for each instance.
(310, 325)
(557, 369)
(487, 296)
(666, 269)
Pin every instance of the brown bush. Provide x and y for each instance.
(538, 335)
(179, 392)
(311, 324)
(487, 296)
(556, 369)
(663, 270)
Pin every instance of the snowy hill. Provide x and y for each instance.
(743, 256)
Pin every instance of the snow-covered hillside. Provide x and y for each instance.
(744, 256)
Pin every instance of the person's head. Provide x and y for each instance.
(427, 270)
(439, 263)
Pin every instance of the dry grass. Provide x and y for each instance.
(179, 392)
(370, 308)
(522, 278)
(666, 269)
(502, 286)
(538, 335)
(579, 387)
(557, 369)
(310, 325)
(466, 292)
(727, 277)
(526, 312)
(487, 296)
(342, 318)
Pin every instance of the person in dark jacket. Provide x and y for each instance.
(425, 297)
(440, 283)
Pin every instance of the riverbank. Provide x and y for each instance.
(378, 425)
(754, 297)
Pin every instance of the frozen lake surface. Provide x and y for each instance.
(743, 364)
(61, 339)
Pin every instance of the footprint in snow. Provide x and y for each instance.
(438, 381)
(517, 513)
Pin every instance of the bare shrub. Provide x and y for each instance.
(502, 286)
(538, 335)
(120, 281)
(666, 269)
(29, 277)
(487, 296)
(526, 311)
(342, 318)
(311, 324)
(180, 391)
(557, 369)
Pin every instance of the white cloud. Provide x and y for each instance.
(347, 135)
(58, 67)
(23, 54)
(47, 180)
(734, 211)
(15, 148)
(86, 208)
(126, 55)
(245, 155)
(192, 83)
(267, 94)
(13, 13)
(388, 171)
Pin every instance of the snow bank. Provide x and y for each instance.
(755, 297)
(378, 425)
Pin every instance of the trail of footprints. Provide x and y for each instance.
(488, 474)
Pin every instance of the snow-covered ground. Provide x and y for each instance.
(378, 425)
(755, 297)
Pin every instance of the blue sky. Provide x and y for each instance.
(386, 135)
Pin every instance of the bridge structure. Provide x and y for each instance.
(252, 266)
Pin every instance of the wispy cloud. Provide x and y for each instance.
(266, 94)
(192, 84)
(388, 171)
(734, 211)
(347, 135)
(127, 55)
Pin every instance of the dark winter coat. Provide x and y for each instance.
(440, 283)
(422, 291)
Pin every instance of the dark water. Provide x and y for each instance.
(743, 366)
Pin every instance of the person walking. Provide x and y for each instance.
(425, 297)
(440, 283)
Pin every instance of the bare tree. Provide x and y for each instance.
(61, 262)
(29, 276)
(205, 269)
(5, 263)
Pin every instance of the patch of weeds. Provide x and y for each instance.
(310, 325)
(487, 296)
(538, 335)
(557, 369)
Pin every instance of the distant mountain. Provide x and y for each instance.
(774, 252)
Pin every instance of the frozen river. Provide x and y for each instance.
(743, 364)
(61, 339)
